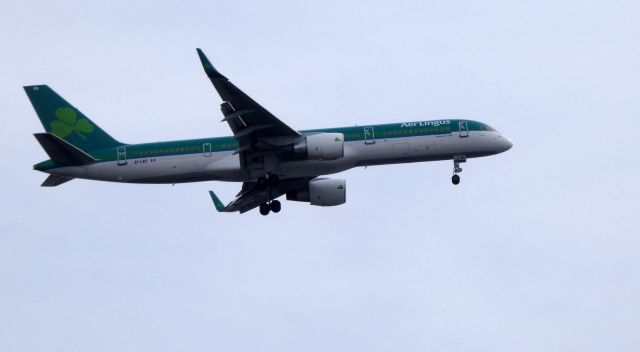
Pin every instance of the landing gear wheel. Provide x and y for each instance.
(274, 180)
(262, 182)
(455, 179)
(275, 206)
(264, 209)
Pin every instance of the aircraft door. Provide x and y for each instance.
(122, 156)
(206, 149)
(369, 136)
(463, 128)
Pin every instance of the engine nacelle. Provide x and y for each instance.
(324, 192)
(321, 146)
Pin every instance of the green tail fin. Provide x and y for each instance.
(66, 122)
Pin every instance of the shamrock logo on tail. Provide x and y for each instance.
(67, 122)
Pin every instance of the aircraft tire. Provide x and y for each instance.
(276, 206)
(264, 209)
(455, 179)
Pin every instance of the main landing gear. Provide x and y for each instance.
(271, 181)
(272, 206)
(455, 179)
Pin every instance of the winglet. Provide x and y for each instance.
(208, 67)
(216, 201)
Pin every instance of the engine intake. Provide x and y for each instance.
(321, 146)
(324, 192)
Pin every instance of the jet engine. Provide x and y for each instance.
(321, 191)
(321, 146)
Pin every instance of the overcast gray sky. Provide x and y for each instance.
(536, 250)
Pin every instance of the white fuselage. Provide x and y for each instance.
(225, 165)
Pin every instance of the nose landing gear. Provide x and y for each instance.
(455, 179)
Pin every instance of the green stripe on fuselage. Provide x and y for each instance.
(229, 143)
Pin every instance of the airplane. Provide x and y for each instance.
(269, 157)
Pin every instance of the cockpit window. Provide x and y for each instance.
(488, 128)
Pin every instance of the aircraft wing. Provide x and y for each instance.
(252, 194)
(256, 129)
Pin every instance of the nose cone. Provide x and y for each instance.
(505, 144)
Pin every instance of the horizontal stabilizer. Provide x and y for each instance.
(61, 151)
(54, 180)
